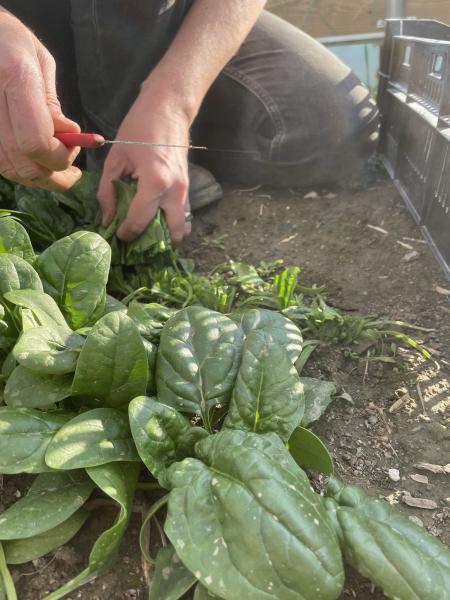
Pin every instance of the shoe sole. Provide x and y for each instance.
(206, 196)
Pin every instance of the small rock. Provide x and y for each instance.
(394, 474)
(433, 468)
(410, 256)
(311, 196)
(416, 520)
(17, 494)
(424, 503)
(419, 478)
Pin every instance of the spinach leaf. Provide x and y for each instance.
(23, 550)
(32, 390)
(151, 352)
(118, 481)
(14, 239)
(198, 360)
(171, 579)
(247, 524)
(24, 437)
(318, 395)
(43, 217)
(51, 500)
(43, 307)
(202, 593)
(268, 395)
(53, 350)
(309, 452)
(17, 274)
(397, 555)
(282, 330)
(113, 363)
(160, 434)
(150, 319)
(74, 271)
(93, 438)
(113, 305)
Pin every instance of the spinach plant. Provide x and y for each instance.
(203, 410)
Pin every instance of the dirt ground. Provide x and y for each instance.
(328, 235)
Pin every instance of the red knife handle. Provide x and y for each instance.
(84, 140)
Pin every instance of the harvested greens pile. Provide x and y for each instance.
(189, 389)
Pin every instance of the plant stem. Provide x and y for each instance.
(6, 576)
(151, 513)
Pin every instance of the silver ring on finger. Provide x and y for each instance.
(188, 217)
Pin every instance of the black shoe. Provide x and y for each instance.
(203, 188)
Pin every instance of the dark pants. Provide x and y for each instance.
(282, 95)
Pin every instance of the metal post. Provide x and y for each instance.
(395, 9)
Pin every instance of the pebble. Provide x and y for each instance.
(394, 474)
(416, 520)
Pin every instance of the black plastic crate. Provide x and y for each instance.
(414, 101)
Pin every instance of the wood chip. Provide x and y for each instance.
(404, 245)
(311, 196)
(424, 503)
(419, 478)
(409, 239)
(289, 239)
(410, 256)
(437, 469)
(399, 403)
(379, 229)
(441, 290)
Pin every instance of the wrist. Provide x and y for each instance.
(170, 94)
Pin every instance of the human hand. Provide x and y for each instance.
(30, 112)
(161, 173)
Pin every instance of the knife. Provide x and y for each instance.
(95, 140)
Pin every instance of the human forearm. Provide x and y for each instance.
(211, 34)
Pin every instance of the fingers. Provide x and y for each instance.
(106, 194)
(175, 205)
(143, 208)
(32, 124)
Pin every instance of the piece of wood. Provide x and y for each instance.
(322, 18)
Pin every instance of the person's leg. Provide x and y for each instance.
(289, 98)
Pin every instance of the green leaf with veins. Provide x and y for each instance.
(24, 437)
(74, 271)
(113, 363)
(93, 438)
(202, 593)
(198, 360)
(118, 481)
(161, 434)
(17, 274)
(43, 307)
(244, 520)
(53, 350)
(32, 390)
(51, 500)
(282, 330)
(401, 558)
(268, 395)
(21, 551)
(14, 239)
(150, 319)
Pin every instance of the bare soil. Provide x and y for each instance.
(364, 271)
